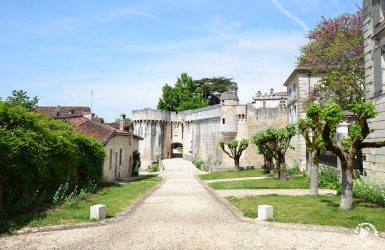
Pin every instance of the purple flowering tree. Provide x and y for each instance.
(335, 49)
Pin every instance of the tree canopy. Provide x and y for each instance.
(20, 97)
(235, 149)
(183, 96)
(192, 94)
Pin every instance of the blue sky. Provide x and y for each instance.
(125, 51)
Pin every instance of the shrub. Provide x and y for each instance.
(294, 170)
(370, 190)
(153, 168)
(136, 163)
(328, 178)
(198, 164)
(38, 154)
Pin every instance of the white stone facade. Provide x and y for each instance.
(374, 50)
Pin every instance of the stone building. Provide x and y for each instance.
(374, 50)
(117, 138)
(200, 130)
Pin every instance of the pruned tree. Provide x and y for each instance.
(311, 129)
(268, 156)
(20, 97)
(234, 150)
(331, 115)
(278, 142)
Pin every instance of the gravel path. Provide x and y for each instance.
(183, 214)
(246, 192)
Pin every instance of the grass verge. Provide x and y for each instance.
(271, 183)
(117, 197)
(234, 174)
(320, 210)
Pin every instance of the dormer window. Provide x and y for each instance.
(72, 112)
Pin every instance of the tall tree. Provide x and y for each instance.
(234, 150)
(20, 97)
(277, 141)
(184, 95)
(212, 88)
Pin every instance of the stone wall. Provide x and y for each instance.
(201, 130)
(374, 159)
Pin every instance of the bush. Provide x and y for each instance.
(136, 163)
(153, 168)
(328, 178)
(198, 164)
(38, 154)
(293, 171)
(369, 190)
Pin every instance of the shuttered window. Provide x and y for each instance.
(377, 66)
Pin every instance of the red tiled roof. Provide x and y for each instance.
(76, 121)
(97, 131)
(65, 111)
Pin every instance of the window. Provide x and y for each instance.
(223, 120)
(110, 163)
(116, 159)
(120, 156)
(377, 13)
(378, 68)
(264, 104)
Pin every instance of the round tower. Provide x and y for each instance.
(229, 122)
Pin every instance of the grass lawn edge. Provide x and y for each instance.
(92, 223)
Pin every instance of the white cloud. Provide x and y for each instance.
(289, 15)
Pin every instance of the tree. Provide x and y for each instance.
(212, 88)
(277, 141)
(20, 97)
(268, 156)
(184, 95)
(311, 129)
(336, 49)
(235, 149)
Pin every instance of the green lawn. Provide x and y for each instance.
(271, 183)
(116, 197)
(234, 174)
(321, 210)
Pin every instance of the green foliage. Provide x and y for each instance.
(294, 170)
(38, 154)
(136, 163)
(370, 190)
(198, 164)
(364, 108)
(234, 149)
(328, 178)
(313, 110)
(332, 114)
(20, 97)
(153, 168)
(184, 95)
(100, 119)
(212, 88)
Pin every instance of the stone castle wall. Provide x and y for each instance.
(201, 130)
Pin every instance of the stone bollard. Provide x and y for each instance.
(265, 212)
(98, 212)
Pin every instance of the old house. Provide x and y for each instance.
(118, 138)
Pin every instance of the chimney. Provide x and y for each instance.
(271, 91)
(121, 121)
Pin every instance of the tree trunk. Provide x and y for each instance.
(270, 165)
(236, 163)
(347, 187)
(282, 168)
(314, 171)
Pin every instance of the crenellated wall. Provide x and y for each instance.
(200, 130)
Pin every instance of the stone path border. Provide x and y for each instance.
(250, 192)
(237, 179)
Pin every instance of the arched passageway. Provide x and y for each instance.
(177, 150)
